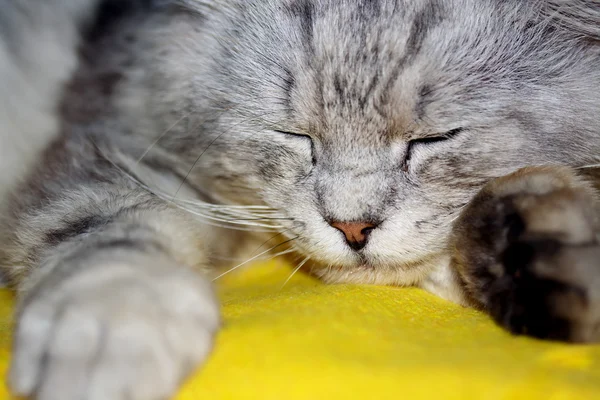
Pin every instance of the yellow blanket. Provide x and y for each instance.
(313, 341)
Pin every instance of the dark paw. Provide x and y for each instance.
(548, 290)
(526, 249)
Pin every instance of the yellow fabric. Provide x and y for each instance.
(313, 341)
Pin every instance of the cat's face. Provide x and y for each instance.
(381, 119)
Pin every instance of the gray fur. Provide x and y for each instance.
(304, 112)
(37, 56)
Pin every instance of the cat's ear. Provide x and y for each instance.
(579, 16)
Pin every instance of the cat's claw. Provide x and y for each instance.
(112, 335)
(527, 251)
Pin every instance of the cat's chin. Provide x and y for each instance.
(367, 273)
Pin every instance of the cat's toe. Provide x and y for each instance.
(550, 291)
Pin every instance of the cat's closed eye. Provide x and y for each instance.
(303, 137)
(414, 143)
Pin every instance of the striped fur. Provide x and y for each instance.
(192, 133)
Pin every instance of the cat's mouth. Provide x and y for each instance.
(366, 267)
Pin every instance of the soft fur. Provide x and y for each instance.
(196, 132)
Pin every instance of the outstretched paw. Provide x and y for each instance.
(113, 331)
(527, 251)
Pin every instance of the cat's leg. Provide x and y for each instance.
(527, 251)
(110, 306)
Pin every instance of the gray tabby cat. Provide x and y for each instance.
(383, 141)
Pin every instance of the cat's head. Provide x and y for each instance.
(369, 124)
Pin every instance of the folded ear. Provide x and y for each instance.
(578, 16)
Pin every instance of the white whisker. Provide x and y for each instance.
(588, 166)
(458, 212)
(281, 253)
(253, 258)
(268, 257)
(294, 271)
(162, 135)
(232, 222)
(268, 240)
(226, 223)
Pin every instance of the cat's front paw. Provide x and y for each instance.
(527, 251)
(112, 332)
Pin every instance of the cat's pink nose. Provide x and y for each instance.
(356, 233)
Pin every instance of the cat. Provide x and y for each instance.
(449, 145)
